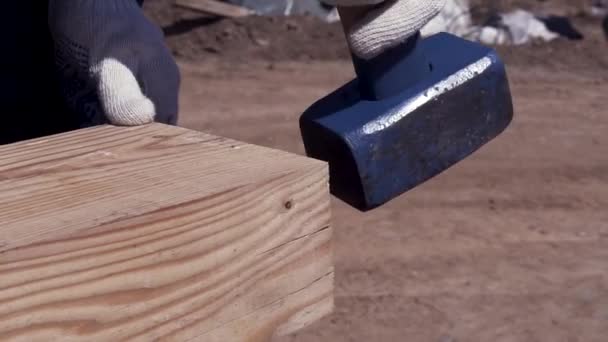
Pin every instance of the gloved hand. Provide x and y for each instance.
(113, 64)
(382, 24)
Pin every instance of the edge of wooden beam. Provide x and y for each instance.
(215, 7)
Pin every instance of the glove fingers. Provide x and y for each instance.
(390, 24)
(118, 52)
(161, 81)
(120, 94)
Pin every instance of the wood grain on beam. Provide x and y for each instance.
(160, 233)
(215, 7)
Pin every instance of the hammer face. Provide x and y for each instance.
(379, 149)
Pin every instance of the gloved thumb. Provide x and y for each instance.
(120, 94)
(386, 24)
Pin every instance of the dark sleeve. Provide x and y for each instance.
(30, 105)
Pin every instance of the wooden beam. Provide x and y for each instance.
(215, 7)
(160, 233)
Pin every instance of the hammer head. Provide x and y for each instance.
(410, 114)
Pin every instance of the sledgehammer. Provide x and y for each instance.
(411, 113)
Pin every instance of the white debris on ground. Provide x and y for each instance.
(515, 27)
(512, 28)
(523, 27)
(599, 8)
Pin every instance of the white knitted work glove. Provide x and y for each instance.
(113, 64)
(387, 24)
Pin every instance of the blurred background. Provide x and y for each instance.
(511, 244)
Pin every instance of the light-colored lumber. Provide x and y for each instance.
(160, 233)
(215, 7)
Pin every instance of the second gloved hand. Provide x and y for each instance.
(112, 62)
(382, 24)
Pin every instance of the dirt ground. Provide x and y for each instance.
(509, 245)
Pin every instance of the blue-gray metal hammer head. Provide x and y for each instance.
(411, 113)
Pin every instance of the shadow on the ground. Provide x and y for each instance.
(187, 25)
